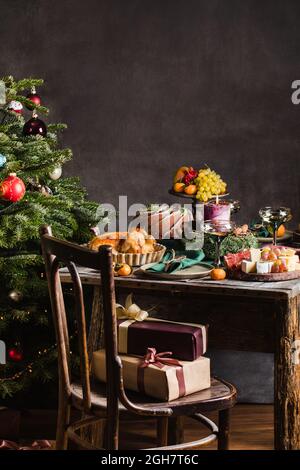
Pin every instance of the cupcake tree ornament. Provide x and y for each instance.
(2, 161)
(15, 106)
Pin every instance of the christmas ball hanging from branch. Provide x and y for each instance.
(12, 188)
(34, 98)
(35, 126)
(15, 353)
(56, 173)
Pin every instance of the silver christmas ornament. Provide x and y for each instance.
(15, 295)
(56, 173)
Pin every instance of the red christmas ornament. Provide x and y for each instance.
(35, 126)
(15, 106)
(15, 354)
(12, 188)
(34, 98)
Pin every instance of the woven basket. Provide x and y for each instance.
(138, 259)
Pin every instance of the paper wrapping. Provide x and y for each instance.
(187, 341)
(161, 383)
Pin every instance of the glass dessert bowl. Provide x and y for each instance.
(219, 229)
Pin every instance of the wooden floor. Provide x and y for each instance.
(252, 429)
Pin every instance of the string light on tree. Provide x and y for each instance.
(15, 295)
(35, 126)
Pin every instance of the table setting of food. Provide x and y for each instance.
(261, 250)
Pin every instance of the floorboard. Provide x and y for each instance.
(252, 429)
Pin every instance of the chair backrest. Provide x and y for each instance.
(58, 253)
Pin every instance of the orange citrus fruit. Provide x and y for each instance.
(190, 189)
(217, 274)
(281, 231)
(178, 187)
(124, 270)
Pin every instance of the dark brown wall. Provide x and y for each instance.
(148, 85)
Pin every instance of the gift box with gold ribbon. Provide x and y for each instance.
(158, 375)
(136, 330)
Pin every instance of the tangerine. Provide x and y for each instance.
(191, 189)
(218, 274)
(124, 270)
(178, 187)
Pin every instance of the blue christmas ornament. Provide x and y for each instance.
(2, 160)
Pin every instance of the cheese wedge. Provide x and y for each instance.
(248, 266)
(290, 262)
(263, 267)
(255, 254)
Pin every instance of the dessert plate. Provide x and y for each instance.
(192, 272)
(287, 236)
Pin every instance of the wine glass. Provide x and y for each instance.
(219, 229)
(275, 217)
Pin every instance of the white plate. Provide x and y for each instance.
(192, 272)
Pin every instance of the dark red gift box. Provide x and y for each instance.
(187, 341)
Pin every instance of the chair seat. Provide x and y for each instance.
(221, 395)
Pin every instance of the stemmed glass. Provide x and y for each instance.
(219, 229)
(275, 217)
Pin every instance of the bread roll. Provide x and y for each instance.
(96, 242)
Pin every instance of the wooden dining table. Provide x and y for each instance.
(242, 316)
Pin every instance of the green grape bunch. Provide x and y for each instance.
(209, 184)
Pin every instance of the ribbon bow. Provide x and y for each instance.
(159, 359)
(131, 310)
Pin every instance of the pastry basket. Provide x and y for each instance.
(138, 259)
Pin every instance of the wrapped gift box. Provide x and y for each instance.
(159, 380)
(187, 341)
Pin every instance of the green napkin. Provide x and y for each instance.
(190, 258)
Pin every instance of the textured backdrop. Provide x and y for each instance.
(149, 85)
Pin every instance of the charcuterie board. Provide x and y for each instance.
(269, 277)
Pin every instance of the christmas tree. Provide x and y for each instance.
(32, 193)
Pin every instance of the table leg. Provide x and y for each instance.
(287, 377)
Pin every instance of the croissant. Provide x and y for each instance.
(129, 245)
(96, 242)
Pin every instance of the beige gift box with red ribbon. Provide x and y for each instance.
(158, 375)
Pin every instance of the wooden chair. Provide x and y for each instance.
(112, 402)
